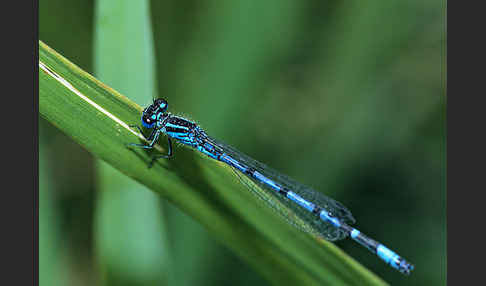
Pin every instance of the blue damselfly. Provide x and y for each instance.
(323, 216)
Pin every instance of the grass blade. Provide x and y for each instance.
(140, 256)
(97, 117)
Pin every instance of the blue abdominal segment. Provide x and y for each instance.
(300, 201)
(355, 233)
(329, 217)
(324, 215)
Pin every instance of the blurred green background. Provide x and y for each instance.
(347, 97)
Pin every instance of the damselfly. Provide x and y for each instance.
(321, 215)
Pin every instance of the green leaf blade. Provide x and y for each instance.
(205, 189)
(130, 229)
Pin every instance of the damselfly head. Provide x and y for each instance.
(153, 112)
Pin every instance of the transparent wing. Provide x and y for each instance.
(290, 211)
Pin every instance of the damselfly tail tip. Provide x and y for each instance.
(405, 267)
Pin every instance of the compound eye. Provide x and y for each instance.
(161, 103)
(147, 121)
